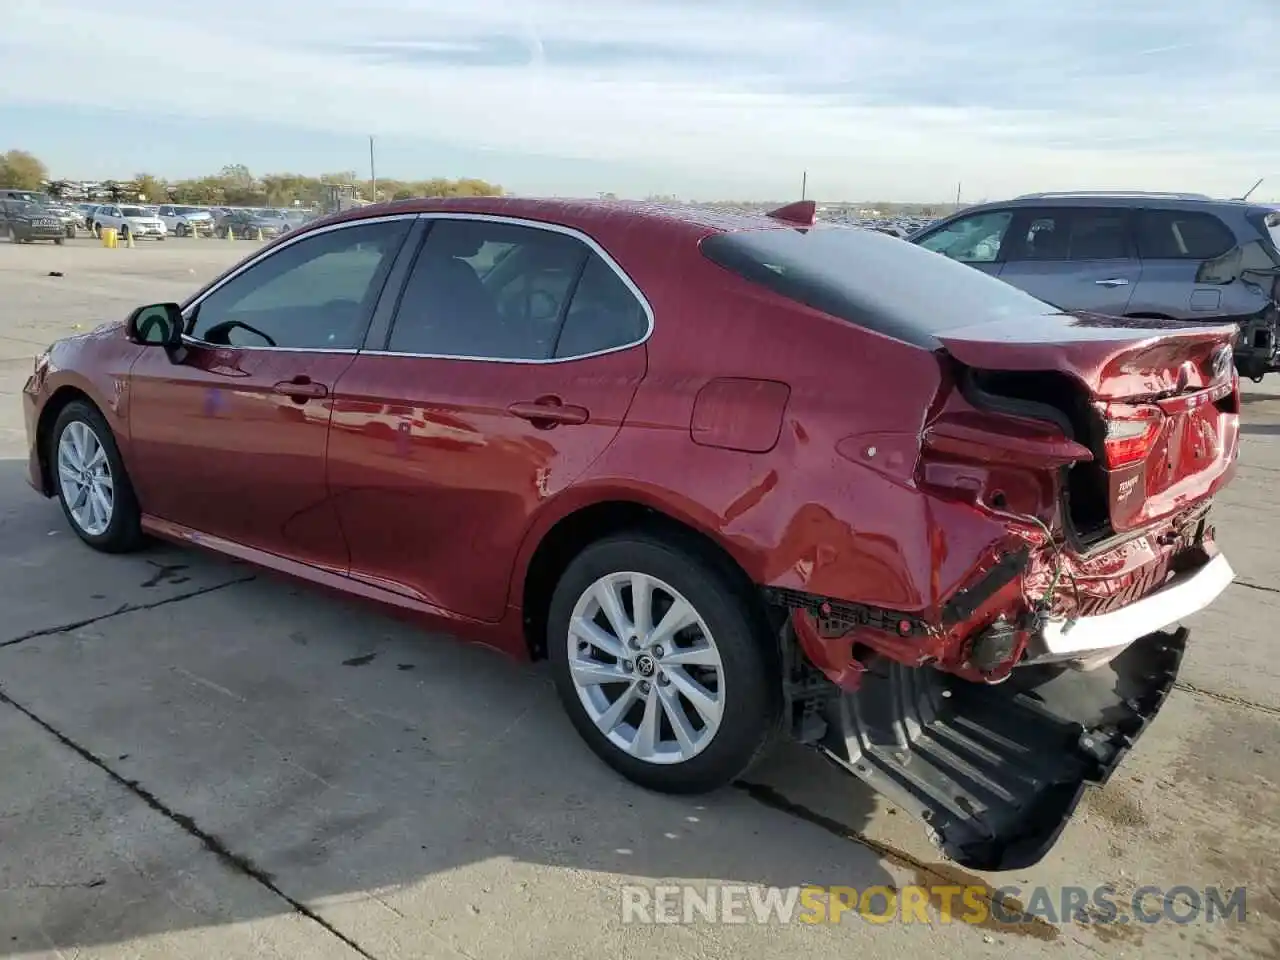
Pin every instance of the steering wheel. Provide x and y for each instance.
(226, 326)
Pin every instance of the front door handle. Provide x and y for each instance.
(301, 389)
(1113, 282)
(547, 412)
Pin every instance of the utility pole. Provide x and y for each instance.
(804, 185)
(373, 172)
(957, 195)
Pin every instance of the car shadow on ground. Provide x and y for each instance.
(336, 754)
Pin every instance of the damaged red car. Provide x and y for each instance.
(735, 477)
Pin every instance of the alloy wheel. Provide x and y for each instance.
(84, 478)
(646, 668)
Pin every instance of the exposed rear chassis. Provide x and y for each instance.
(995, 772)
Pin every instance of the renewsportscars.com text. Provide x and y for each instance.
(937, 903)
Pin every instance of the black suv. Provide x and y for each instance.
(1181, 256)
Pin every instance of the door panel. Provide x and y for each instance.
(231, 439)
(435, 479)
(1074, 258)
(217, 448)
(509, 367)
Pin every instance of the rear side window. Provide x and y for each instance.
(1182, 235)
(881, 283)
(1072, 233)
(603, 314)
(1273, 229)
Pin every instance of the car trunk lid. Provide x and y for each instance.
(1155, 401)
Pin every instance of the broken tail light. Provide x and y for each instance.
(1131, 432)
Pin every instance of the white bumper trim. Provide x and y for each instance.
(1179, 598)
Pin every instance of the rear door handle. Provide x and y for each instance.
(548, 412)
(1113, 282)
(301, 389)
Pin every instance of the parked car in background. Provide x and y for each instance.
(90, 214)
(186, 221)
(131, 220)
(1180, 256)
(246, 224)
(734, 475)
(24, 221)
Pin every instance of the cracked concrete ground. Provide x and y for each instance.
(200, 760)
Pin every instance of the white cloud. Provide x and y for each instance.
(893, 100)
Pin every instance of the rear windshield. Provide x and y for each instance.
(135, 212)
(879, 282)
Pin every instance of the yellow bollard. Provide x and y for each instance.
(128, 239)
(231, 233)
(260, 237)
(108, 237)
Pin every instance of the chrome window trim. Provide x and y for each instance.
(199, 298)
(577, 234)
(573, 232)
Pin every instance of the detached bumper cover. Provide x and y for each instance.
(995, 772)
(1184, 595)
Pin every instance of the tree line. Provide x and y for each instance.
(234, 185)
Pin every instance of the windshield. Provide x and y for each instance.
(135, 212)
(879, 282)
(186, 210)
(24, 207)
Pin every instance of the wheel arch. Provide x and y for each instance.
(58, 401)
(555, 539)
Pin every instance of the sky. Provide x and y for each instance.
(701, 99)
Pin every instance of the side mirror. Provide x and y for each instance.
(159, 325)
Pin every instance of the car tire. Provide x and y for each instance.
(60, 241)
(124, 232)
(726, 645)
(79, 431)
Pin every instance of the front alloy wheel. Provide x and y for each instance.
(646, 668)
(84, 479)
(90, 480)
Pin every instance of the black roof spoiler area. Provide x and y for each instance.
(802, 213)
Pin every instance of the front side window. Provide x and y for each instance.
(975, 239)
(314, 294)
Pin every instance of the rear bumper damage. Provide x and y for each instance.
(995, 769)
(1092, 640)
(995, 772)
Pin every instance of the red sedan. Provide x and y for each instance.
(735, 477)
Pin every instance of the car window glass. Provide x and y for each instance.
(1073, 234)
(486, 289)
(975, 239)
(1099, 235)
(603, 314)
(1182, 235)
(313, 294)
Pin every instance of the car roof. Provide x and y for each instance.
(1135, 199)
(581, 214)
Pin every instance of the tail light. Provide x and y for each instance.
(1130, 434)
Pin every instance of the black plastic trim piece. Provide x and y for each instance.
(963, 604)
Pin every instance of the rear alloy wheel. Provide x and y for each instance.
(91, 482)
(661, 665)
